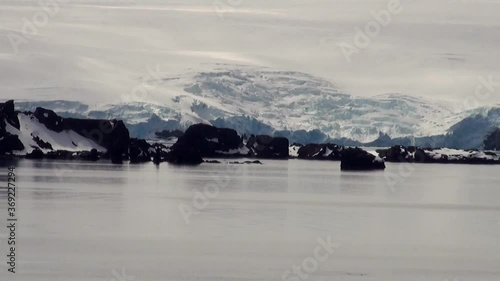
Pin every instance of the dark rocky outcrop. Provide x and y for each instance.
(139, 151)
(50, 119)
(263, 146)
(42, 144)
(110, 134)
(315, 151)
(10, 143)
(357, 159)
(92, 155)
(8, 115)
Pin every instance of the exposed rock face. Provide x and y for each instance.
(9, 142)
(50, 119)
(357, 159)
(263, 146)
(139, 151)
(109, 134)
(8, 115)
(314, 151)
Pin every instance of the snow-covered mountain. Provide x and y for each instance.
(263, 100)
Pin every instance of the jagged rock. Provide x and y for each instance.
(314, 151)
(357, 159)
(263, 146)
(111, 134)
(50, 119)
(42, 144)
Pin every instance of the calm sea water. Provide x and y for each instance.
(87, 221)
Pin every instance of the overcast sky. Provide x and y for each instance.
(95, 50)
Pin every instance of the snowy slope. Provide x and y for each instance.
(282, 100)
(261, 100)
(68, 140)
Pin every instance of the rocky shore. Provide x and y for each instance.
(42, 134)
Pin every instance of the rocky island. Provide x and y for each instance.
(42, 134)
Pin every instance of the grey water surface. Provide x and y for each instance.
(96, 221)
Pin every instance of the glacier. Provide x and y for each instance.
(257, 100)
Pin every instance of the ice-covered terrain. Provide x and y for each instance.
(31, 128)
(264, 100)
